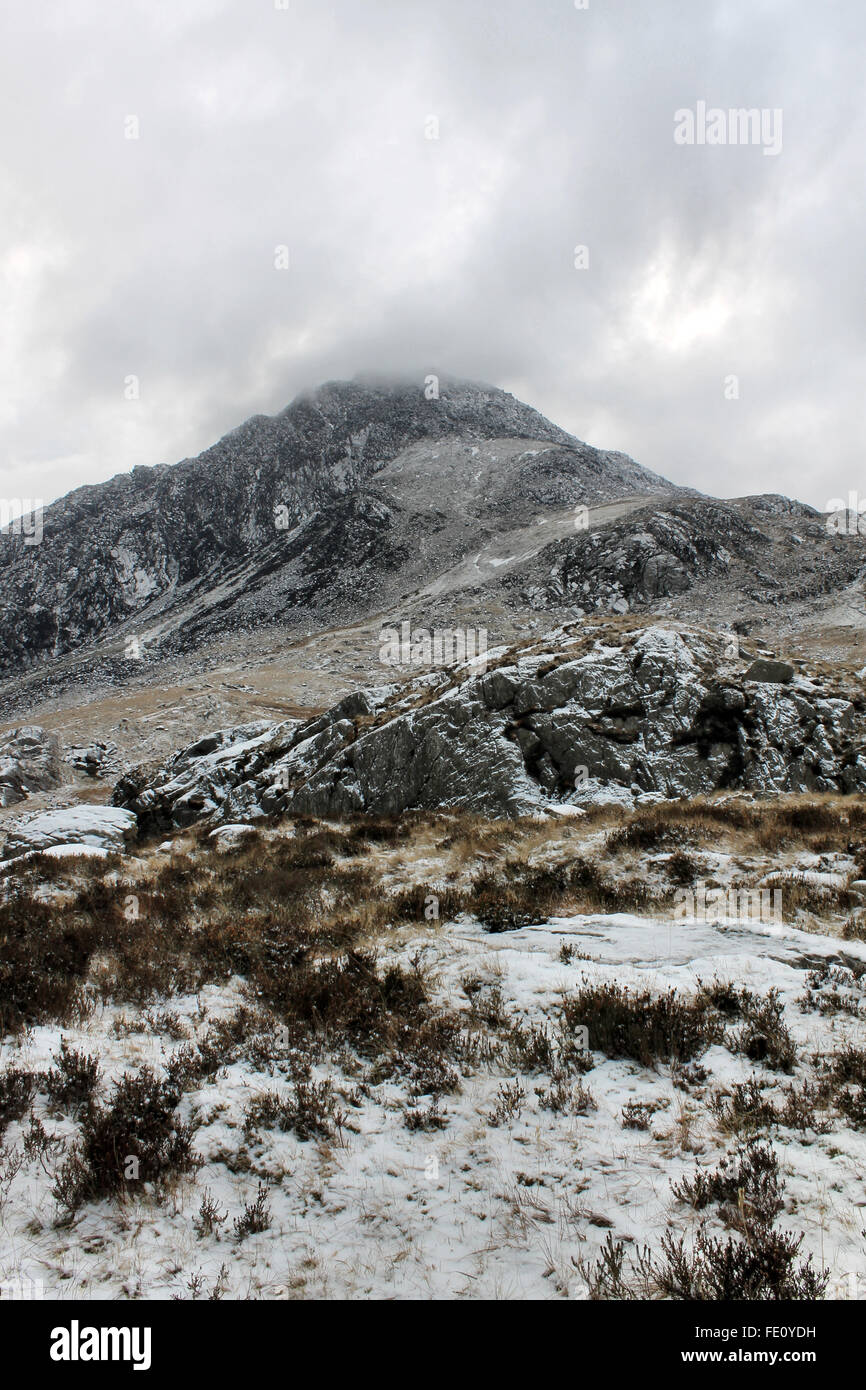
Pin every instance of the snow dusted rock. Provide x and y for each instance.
(196, 782)
(772, 672)
(638, 714)
(228, 837)
(103, 827)
(95, 759)
(29, 762)
(594, 792)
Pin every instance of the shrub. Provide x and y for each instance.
(345, 999)
(746, 1183)
(625, 1023)
(309, 1111)
(637, 1114)
(421, 1057)
(832, 990)
(136, 1138)
(565, 1098)
(743, 1107)
(854, 928)
(45, 958)
(509, 1103)
(411, 905)
(765, 1036)
(72, 1081)
(733, 1270)
(647, 831)
(209, 1218)
(530, 1049)
(502, 907)
(16, 1090)
(256, 1216)
(682, 868)
(845, 1066)
(425, 1118)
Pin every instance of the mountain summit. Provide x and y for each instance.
(352, 495)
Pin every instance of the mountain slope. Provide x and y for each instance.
(349, 497)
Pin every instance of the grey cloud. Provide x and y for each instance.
(306, 127)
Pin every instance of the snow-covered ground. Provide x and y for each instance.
(475, 1209)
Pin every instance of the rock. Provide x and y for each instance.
(198, 779)
(229, 837)
(858, 887)
(770, 672)
(573, 719)
(94, 759)
(103, 827)
(29, 762)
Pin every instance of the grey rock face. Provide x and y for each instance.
(693, 557)
(654, 553)
(98, 827)
(29, 762)
(197, 781)
(93, 759)
(652, 712)
(290, 518)
(769, 672)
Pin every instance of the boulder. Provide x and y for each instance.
(29, 762)
(102, 827)
(228, 837)
(770, 672)
(94, 759)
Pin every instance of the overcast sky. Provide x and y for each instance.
(308, 127)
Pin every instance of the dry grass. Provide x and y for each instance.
(196, 917)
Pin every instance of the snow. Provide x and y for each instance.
(104, 827)
(226, 837)
(472, 1210)
(232, 829)
(84, 851)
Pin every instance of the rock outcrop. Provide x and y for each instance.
(589, 711)
(96, 827)
(94, 759)
(29, 762)
(698, 557)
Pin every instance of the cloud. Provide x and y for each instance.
(308, 127)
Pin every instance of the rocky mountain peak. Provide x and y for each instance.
(287, 506)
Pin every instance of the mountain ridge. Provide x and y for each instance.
(118, 550)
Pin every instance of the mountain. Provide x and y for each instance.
(352, 495)
(251, 583)
(282, 944)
